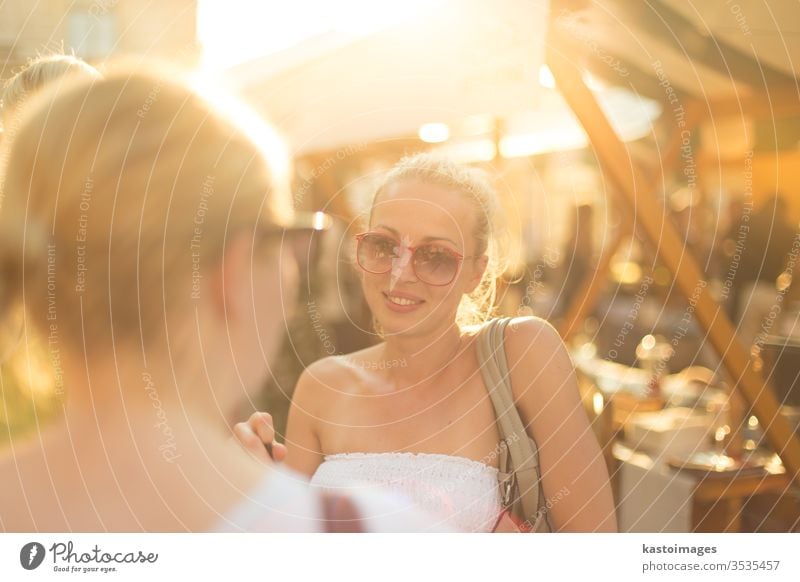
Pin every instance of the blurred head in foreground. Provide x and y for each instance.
(36, 75)
(142, 238)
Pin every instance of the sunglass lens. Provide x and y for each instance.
(435, 265)
(375, 253)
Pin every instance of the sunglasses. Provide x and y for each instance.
(301, 235)
(432, 263)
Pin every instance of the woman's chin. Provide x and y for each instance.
(407, 324)
(402, 319)
(392, 325)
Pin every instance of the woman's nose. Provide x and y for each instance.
(407, 272)
(402, 267)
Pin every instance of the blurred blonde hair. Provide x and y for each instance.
(475, 184)
(116, 189)
(35, 75)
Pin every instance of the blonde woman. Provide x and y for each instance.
(142, 231)
(412, 412)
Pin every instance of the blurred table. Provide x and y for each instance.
(652, 497)
(718, 501)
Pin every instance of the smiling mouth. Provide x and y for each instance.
(397, 300)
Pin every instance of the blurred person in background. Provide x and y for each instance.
(578, 257)
(764, 256)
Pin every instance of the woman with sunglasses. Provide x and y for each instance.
(413, 412)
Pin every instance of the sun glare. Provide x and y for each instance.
(232, 32)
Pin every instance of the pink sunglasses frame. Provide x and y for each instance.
(360, 236)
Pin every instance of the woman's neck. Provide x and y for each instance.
(133, 452)
(122, 387)
(160, 416)
(421, 360)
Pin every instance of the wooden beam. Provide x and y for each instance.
(635, 79)
(772, 104)
(659, 21)
(628, 181)
(609, 65)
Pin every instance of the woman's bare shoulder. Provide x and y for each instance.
(25, 486)
(537, 356)
(340, 374)
(532, 336)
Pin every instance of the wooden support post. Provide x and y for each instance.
(719, 331)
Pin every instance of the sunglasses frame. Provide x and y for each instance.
(458, 256)
(299, 237)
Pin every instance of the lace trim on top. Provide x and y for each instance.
(461, 492)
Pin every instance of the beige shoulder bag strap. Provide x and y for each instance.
(520, 489)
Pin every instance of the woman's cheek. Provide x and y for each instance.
(371, 289)
(443, 299)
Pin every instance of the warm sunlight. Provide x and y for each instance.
(399, 266)
(232, 32)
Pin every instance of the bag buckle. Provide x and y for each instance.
(507, 488)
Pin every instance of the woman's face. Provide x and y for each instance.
(416, 213)
(260, 296)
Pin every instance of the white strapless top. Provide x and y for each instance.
(461, 493)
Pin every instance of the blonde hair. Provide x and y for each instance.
(36, 74)
(478, 306)
(119, 193)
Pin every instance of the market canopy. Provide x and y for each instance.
(471, 66)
